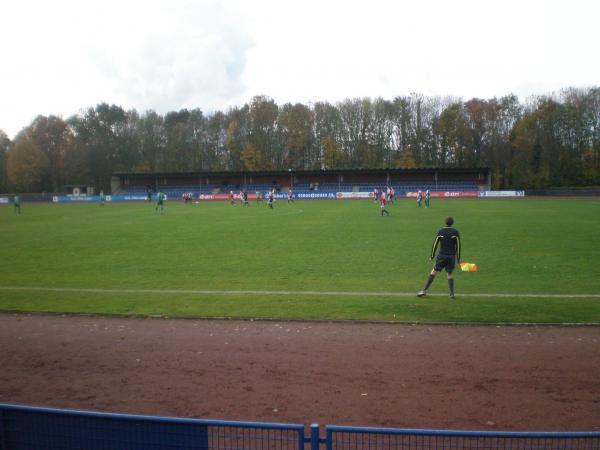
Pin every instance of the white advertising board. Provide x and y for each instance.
(502, 194)
(354, 195)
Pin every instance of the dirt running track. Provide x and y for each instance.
(503, 378)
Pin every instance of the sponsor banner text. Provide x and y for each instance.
(446, 194)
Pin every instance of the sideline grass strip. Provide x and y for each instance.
(400, 309)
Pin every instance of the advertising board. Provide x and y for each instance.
(316, 195)
(96, 198)
(502, 194)
(447, 194)
(344, 195)
(251, 196)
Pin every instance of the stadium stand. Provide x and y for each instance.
(400, 188)
(303, 182)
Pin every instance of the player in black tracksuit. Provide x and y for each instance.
(448, 240)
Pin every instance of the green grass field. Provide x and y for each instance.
(126, 259)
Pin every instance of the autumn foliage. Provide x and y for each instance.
(549, 140)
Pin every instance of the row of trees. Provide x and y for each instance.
(548, 141)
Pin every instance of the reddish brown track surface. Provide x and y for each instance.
(503, 378)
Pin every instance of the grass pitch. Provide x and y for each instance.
(297, 260)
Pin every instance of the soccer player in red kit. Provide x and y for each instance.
(382, 203)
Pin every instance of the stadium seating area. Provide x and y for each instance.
(400, 187)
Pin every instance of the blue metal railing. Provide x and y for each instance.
(33, 428)
(354, 438)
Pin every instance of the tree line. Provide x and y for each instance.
(548, 140)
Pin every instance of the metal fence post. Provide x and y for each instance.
(314, 436)
(2, 438)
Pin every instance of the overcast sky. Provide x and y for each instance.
(59, 56)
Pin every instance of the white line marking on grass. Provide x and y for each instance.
(289, 213)
(313, 293)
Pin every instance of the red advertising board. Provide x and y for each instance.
(224, 196)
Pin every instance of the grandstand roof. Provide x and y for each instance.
(423, 170)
